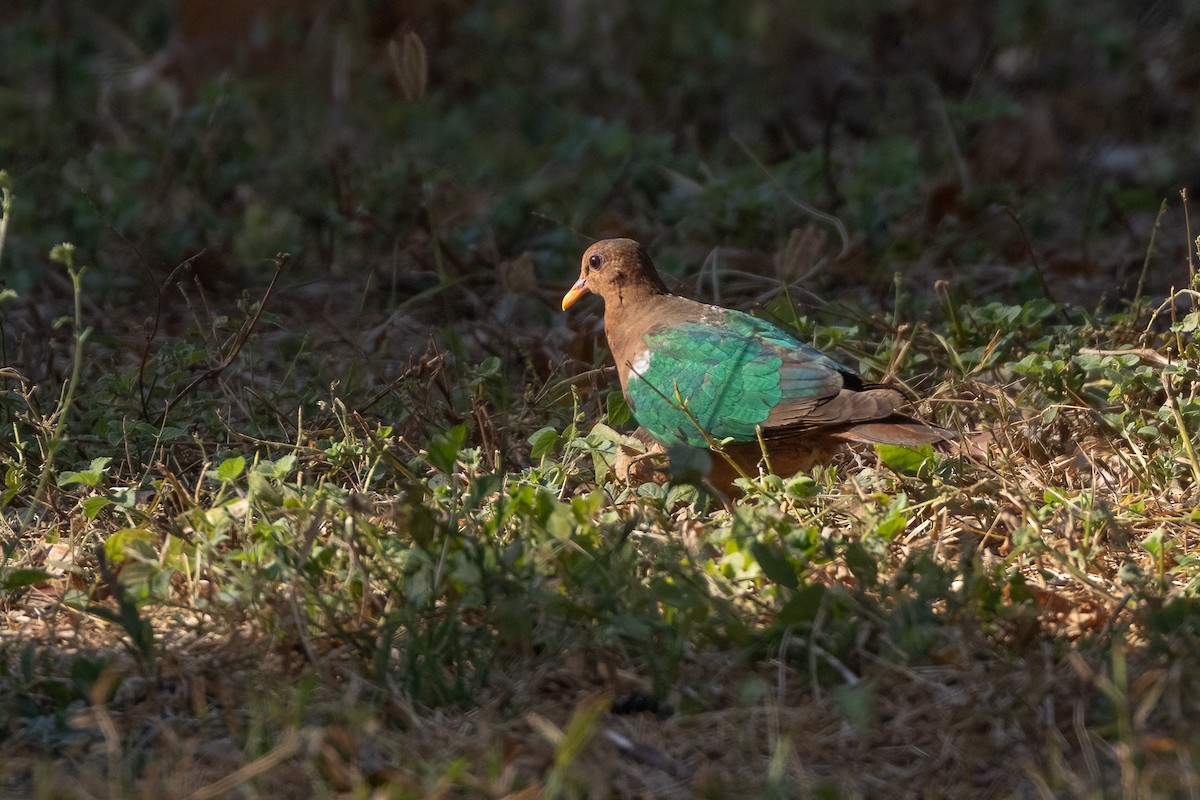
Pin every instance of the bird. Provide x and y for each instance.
(724, 380)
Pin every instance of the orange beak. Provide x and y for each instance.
(577, 291)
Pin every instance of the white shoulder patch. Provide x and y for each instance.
(640, 363)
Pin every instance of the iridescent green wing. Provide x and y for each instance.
(729, 374)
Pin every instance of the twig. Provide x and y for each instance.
(1144, 353)
(432, 363)
(143, 393)
(1141, 284)
(1169, 303)
(1107, 630)
(710, 268)
(647, 756)
(827, 218)
(281, 262)
(960, 163)
(285, 749)
(1037, 265)
(1187, 224)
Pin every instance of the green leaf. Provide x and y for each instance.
(775, 565)
(261, 490)
(905, 459)
(801, 487)
(1155, 543)
(892, 524)
(856, 702)
(862, 564)
(118, 545)
(443, 450)
(803, 607)
(94, 505)
(279, 468)
(542, 442)
(89, 477)
(561, 521)
(483, 488)
(1147, 433)
(689, 464)
(1189, 323)
(231, 469)
(618, 410)
(74, 477)
(18, 578)
(488, 368)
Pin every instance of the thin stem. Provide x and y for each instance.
(6, 201)
(1187, 224)
(65, 254)
(1176, 412)
(1162, 209)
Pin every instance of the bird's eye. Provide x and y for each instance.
(595, 261)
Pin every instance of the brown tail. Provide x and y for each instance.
(895, 429)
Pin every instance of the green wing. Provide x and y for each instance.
(729, 375)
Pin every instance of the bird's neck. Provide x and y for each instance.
(630, 315)
(633, 296)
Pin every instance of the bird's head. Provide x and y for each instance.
(613, 267)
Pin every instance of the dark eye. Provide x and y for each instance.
(595, 261)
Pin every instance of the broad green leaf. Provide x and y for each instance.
(92, 476)
(231, 469)
(906, 460)
(443, 450)
(94, 505)
(262, 490)
(775, 565)
(1155, 543)
(542, 443)
(279, 468)
(618, 410)
(892, 524)
(488, 368)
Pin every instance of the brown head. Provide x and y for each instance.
(619, 270)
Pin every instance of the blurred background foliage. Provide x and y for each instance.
(419, 141)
